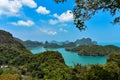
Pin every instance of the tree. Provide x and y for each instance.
(114, 57)
(113, 69)
(1, 71)
(85, 9)
(96, 72)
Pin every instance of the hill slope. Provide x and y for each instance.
(8, 41)
(10, 49)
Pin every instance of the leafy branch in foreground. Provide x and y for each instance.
(85, 9)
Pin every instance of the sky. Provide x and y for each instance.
(41, 20)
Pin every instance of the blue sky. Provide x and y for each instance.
(42, 20)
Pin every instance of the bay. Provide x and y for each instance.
(72, 58)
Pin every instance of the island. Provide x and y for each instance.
(95, 50)
(55, 44)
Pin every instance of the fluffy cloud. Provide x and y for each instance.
(12, 7)
(23, 23)
(29, 3)
(49, 32)
(42, 10)
(64, 17)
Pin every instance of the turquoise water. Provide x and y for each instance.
(72, 58)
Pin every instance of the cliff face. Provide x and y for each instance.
(85, 41)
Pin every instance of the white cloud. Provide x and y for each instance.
(49, 32)
(12, 7)
(23, 23)
(53, 22)
(62, 30)
(64, 17)
(29, 3)
(42, 10)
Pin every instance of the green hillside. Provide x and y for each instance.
(49, 65)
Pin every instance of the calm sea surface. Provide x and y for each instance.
(72, 58)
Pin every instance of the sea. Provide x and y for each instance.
(72, 58)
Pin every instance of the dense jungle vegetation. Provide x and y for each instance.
(49, 65)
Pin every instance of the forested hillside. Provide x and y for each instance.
(18, 63)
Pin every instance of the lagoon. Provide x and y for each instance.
(72, 58)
